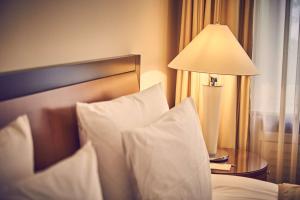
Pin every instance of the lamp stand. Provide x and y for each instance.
(211, 115)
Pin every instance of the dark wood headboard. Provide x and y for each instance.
(48, 96)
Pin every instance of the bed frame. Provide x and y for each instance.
(48, 96)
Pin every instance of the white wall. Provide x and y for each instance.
(38, 33)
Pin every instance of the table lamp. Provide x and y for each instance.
(215, 50)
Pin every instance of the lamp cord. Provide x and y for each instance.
(218, 5)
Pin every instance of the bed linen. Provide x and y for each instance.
(168, 158)
(75, 177)
(227, 187)
(16, 151)
(103, 123)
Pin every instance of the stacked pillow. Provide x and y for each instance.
(16, 151)
(168, 158)
(103, 123)
(139, 143)
(134, 145)
(73, 178)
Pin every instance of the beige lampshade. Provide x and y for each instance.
(214, 50)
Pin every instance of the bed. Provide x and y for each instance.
(48, 96)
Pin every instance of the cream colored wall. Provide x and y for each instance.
(38, 33)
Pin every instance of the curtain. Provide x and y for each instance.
(237, 14)
(275, 100)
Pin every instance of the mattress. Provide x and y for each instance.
(227, 187)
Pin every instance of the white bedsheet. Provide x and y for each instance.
(235, 187)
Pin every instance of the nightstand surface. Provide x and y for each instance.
(245, 164)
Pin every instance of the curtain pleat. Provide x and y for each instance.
(296, 121)
(195, 15)
(243, 108)
(282, 116)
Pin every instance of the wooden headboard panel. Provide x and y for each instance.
(48, 96)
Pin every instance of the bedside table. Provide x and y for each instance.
(245, 164)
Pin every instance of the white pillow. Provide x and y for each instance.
(73, 178)
(168, 158)
(103, 122)
(16, 151)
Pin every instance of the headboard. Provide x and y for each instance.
(48, 96)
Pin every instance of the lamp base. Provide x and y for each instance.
(211, 117)
(220, 156)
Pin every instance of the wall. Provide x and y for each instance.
(38, 33)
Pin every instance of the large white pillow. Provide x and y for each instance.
(168, 158)
(103, 122)
(16, 151)
(73, 178)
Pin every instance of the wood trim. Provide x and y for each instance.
(138, 68)
(30, 81)
(260, 174)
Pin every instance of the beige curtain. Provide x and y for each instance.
(237, 14)
(275, 95)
